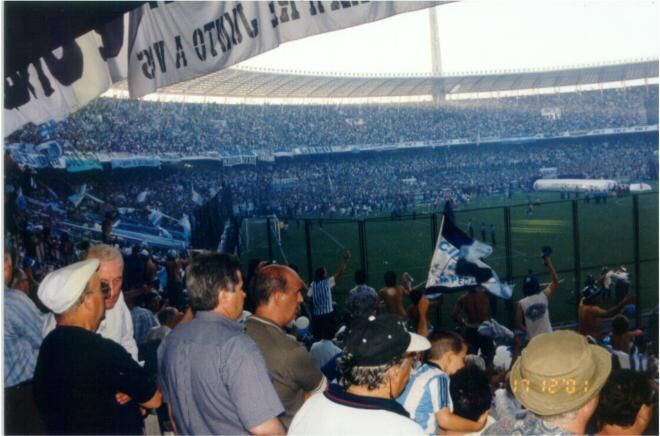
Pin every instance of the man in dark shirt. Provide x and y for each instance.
(278, 292)
(82, 380)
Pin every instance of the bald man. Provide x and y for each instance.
(277, 292)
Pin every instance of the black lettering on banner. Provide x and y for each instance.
(284, 17)
(208, 27)
(148, 67)
(223, 38)
(252, 27)
(200, 46)
(344, 4)
(159, 47)
(18, 89)
(68, 68)
(180, 53)
(274, 21)
(112, 36)
(236, 35)
(43, 79)
(312, 8)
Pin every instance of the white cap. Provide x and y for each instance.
(60, 289)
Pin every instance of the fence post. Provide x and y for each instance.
(636, 255)
(508, 252)
(362, 236)
(576, 252)
(434, 229)
(308, 249)
(270, 239)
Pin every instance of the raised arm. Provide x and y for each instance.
(342, 267)
(554, 284)
(616, 308)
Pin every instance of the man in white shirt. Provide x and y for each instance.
(375, 366)
(117, 324)
(533, 314)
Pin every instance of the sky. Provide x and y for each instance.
(482, 36)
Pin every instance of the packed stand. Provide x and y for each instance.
(178, 351)
(156, 128)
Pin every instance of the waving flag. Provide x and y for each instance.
(196, 197)
(155, 216)
(187, 228)
(457, 265)
(142, 196)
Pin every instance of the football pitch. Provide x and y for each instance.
(605, 235)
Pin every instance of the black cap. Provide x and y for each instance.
(381, 339)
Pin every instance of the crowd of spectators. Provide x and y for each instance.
(154, 128)
(368, 184)
(207, 366)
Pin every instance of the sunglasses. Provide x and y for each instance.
(105, 290)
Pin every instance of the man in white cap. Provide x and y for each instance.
(117, 324)
(375, 366)
(557, 378)
(79, 374)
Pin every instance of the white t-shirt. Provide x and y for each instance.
(537, 316)
(116, 326)
(322, 416)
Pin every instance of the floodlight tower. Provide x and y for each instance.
(437, 90)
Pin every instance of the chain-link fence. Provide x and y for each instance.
(585, 236)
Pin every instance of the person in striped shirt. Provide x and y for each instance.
(323, 314)
(427, 397)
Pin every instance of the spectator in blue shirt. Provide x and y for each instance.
(23, 337)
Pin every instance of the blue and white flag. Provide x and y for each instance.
(457, 265)
(187, 228)
(142, 196)
(196, 197)
(76, 199)
(155, 216)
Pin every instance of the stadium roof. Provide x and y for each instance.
(253, 83)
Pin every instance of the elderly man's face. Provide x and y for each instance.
(110, 273)
(292, 296)
(96, 302)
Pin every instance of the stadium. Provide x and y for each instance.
(297, 167)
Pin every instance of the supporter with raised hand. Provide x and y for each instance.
(320, 290)
(591, 314)
(295, 375)
(375, 365)
(532, 311)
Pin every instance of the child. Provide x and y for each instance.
(427, 396)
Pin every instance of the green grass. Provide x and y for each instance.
(605, 238)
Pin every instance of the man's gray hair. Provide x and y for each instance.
(105, 253)
(371, 377)
(207, 274)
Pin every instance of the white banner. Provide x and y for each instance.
(67, 79)
(180, 41)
